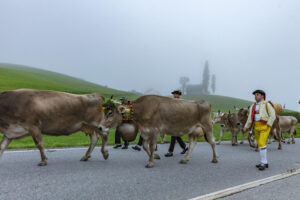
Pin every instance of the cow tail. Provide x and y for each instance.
(205, 137)
(295, 132)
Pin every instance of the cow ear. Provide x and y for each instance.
(121, 109)
(229, 111)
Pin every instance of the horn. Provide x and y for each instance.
(112, 96)
(115, 102)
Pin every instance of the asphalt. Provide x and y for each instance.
(123, 175)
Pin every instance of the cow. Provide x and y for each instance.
(157, 114)
(288, 124)
(217, 119)
(27, 112)
(233, 123)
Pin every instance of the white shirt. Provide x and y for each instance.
(256, 116)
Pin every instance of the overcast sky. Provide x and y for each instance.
(136, 44)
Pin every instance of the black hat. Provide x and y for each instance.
(260, 92)
(177, 92)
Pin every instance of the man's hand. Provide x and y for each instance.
(245, 129)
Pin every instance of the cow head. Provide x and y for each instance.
(243, 115)
(113, 115)
(217, 117)
(224, 120)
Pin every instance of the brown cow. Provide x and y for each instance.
(176, 117)
(231, 122)
(288, 124)
(28, 112)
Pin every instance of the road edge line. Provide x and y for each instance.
(246, 186)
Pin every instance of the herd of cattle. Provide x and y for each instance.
(32, 113)
(234, 123)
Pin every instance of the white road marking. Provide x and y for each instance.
(246, 186)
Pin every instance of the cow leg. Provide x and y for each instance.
(292, 134)
(146, 145)
(38, 140)
(153, 156)
(211, 140)
(234, 138)
(221, 136)
(192, 144)
(3, 145)
(93, 141)
(278, 135)
(289, 140)
(162, 135)
(104, 152)
(243, 135)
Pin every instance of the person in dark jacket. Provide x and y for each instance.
(176, 94)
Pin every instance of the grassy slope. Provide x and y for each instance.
(14, 77)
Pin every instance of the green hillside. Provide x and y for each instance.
(16, 76)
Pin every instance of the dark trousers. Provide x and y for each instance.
(140, 143)
(173, 142)
(118, 138)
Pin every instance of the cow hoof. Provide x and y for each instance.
(218, 143)
(183, 161)
(84, 158)
(149, 165)
(234, 144)
(279, 148)
(43, 163)
(214, 161)
(156, 156)
(105, 156)
(293, 142)
(241, 142)
(289, 142)
(256, 150)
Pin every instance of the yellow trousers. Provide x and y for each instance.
(261, 132)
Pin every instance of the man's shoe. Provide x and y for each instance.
(125, 147)
(184, 150)
(136, 147)
(169, 154)
(262, 167)
(117, 146)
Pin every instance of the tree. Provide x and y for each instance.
(205, 79)
(183, 82)
(213, 83)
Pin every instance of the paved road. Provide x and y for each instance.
(123, 175)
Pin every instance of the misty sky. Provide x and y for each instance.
(136, 44)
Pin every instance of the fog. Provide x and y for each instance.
(136, 44)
